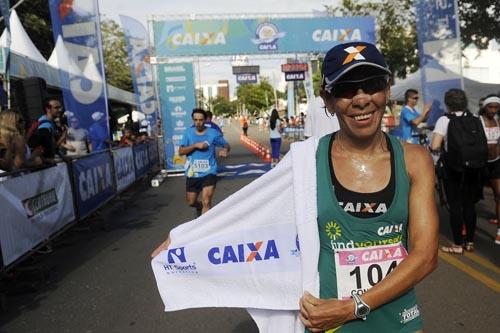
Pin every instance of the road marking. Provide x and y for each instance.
(474, 257)
(489, 282)
(483, 262)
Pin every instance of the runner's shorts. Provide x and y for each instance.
(197, 184)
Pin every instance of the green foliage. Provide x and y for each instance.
(115, 56)
(35, 18)
(254, 96)
(221, 106)
(395, 21)
(479, 22)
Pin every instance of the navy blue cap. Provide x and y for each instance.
(343, 58)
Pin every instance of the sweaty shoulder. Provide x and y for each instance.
(418, 160)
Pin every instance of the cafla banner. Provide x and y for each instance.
(177, 99)
(93, 175)
(34, 207)
(141, 71)
(258, 35)
(439, 51)
(246, 78)
(123, 160)
(77, 23)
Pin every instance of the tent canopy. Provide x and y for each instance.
(474, 89)
(20, 41)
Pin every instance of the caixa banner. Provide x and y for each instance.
(259, 35)
(93, 176)
(84, 87)
(141, 71)
(123, 160)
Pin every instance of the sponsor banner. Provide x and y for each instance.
(246, 78)
(177, 99)
(153, 154)
(137, 40)
(77, 23)
(93, 182)
(123, 160)
(295, 76)
(246, 70)
(296, 67)
(439, 51)
(141, 160)
(34, 207)
(260, 35)
(235, 254)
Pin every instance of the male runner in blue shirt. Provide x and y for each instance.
(198, 144)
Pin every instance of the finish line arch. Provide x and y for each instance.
(177, 42)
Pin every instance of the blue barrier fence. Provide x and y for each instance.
(36, 206)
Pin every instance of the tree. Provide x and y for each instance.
(221, 106)
(256, 97)
(35, 18)
(395, 20)
(115, 55)
(479, 22)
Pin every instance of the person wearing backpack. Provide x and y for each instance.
(43, 133)
(460, 137)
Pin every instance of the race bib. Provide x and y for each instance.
(360, 269)
(201, 165)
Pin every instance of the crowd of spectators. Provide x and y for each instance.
(56, 135)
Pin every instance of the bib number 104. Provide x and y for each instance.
(374, 273)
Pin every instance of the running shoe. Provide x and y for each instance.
(497, 240)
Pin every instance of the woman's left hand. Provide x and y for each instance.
(319, 315)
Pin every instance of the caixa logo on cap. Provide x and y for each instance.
(246, 252)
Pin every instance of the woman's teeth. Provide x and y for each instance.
(363, 116)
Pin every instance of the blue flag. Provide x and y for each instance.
(85, 95)
(137, 40)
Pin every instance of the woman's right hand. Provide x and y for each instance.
(163, 246)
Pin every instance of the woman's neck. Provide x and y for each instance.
(361, 147)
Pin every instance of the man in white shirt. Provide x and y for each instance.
(319, 122)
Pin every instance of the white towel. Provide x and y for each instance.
(244, 252)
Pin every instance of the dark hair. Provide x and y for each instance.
(409, 93)
(209, 114)
(274, 116)
(200, 111)
(47, 100)
(455, 100)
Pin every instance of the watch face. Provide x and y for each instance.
(363, 311)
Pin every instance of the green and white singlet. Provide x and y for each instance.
(357, 253)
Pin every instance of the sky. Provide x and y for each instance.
(212, 71)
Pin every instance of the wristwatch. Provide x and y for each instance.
(362, 309)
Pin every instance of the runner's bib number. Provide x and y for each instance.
(201, 165)
(360, 269)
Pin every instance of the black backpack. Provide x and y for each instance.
(467, 145)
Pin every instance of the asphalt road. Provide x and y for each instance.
(99, 279)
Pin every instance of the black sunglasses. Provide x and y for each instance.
(350, 89)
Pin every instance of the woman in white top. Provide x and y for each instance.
(489, 119)
(275, 135)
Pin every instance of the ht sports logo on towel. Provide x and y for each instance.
(247, 252)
